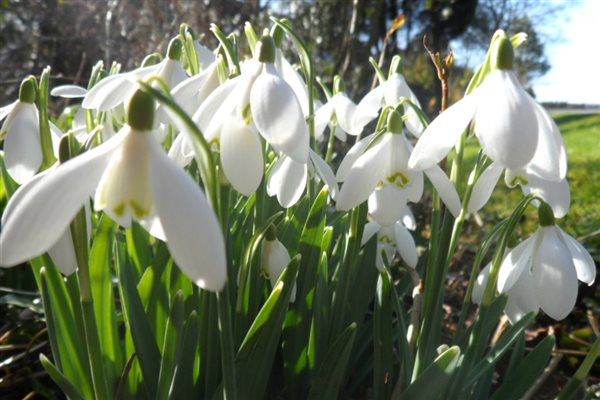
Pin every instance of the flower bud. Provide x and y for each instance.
(140, 111)
(502, 52)
(68, 147)
(27, 90)
(175, 48)
(266, 49)
(545, 215)
(394, 122)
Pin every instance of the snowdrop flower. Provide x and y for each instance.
(542, 271)
(257, 102)
(507, 121)
(23, 152)
(262, 100)
(390, 92)
(131, 178)
(380, 174)
(116, 89)
(274, 259)
(534, 177)
(392, 238)
(288, 178)
(343, 108)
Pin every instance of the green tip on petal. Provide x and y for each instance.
(175, 49)
(140, 111)
(265, 49)
(394, 122)
(271, 233)
(68, 147)
(27, 90)
(546, 215)
(503, 53)
(151, 59)
(339, 86)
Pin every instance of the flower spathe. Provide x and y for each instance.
(131, 178)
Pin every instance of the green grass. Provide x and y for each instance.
(581, 133)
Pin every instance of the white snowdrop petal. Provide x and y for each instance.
(289, 74)
(406, 245)
(368, 108)
(278, 115)
(187, 93)
(287, 181)
(480, 284)
(205, 56)
(484, 187)
(43, 212)
(324, 173)
(4, 111)
(69, 91)
(63, 253)
(583, 261)
(22, 147)
(515, 262)
(364, 176)
(408, 219)
(556, 194)
(322, 118)
(550, 159)
(177, 151)
(386, 204)
(153, 226)
(216, 108)
(241, 156)
(554, 275)
(505, 121)
(441, 135)
(344, 112)
(351, 156)
(193, 233)
(445, 189)
(370, 229)
(521, 298)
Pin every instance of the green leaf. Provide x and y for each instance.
(501, 347)
(519, 379)
(183, 381)
(331, 373)
(255, 357)
(432, 382)
(382, 335)
(171, 347)
(103, 295)
(63, 383)
(139, 326)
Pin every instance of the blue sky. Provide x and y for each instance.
(575, 60)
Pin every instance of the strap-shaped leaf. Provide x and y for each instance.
(434, 379)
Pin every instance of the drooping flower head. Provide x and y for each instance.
(132, 179)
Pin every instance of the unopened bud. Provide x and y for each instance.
(175, 49)
(68, 147)
(27, 90)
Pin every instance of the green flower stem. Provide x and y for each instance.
(227, 349)
(581, 374)
(330, 143)
(44, 123)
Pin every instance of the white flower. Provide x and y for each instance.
(23, 153)
(344, 110)
(511, 127)
(116, 89)
(544, 175)
(542, 272)
(381, 174)
(392, 238)
(274, 259)
(288, 178)
(131, 178)
(389, 92)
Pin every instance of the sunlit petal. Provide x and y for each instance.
(386, 205)
(445, 189)
(351, 156)
(484, 187)
(22, 146)
(515, 262)
(287, 181)
(583, 261)
(324, 173)
(406, 245)
(193, 233)
(69, 91)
